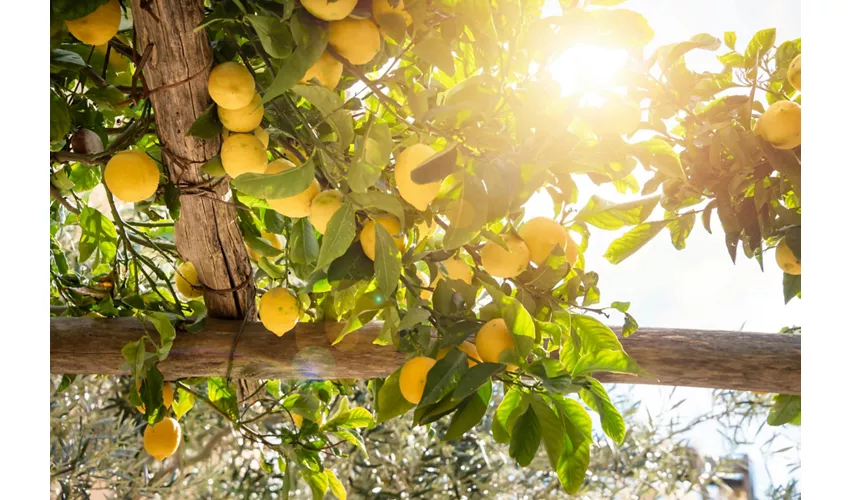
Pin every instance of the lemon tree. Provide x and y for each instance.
(380, 161)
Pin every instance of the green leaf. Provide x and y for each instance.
(352, 438)
(473, 195)
(436, 52)
(65, 59)
(572, 467)
(785, 409)
(470, 413)
(166, 331)
(512, 403)
(329, 104)
(660, 154)
(134, 354)
(630, 325)
(390, 401)
(551, 430)
(791, 286)
(338, 236)
(317, 481)
(207, 125)
(729, 38)
(358, 418)
(629, 243)
(274, 186)
(594, 335)
(274, 35)
(214, 168)
(607, 360)
(336, 486)
(759, 44)
(371, 156)
(414, 316)
(576, 421)
(303, 244)
(353, 265)
(183, 403)
(66, 382)
(606, 215)
(311, 38)
(60, 117)
(475, 378)
(380, 201)
(98, 234)
(387, 261)
(670, 54)
(519, 322)
(223, 396)
(393, 24)
(525, 438)
(73, 9)
(443, 376)
(365, 309)
(596, 397)
(680, 228)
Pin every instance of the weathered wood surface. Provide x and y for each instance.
(695, 358)
(206, 233)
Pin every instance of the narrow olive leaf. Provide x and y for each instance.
(786, 408)
(513, 402)
(387, 261)
(525, 438)
(311, 39)
(472, 411)
(330, 105)
(596, 397)
(443, 376)
(551, 430)
(274, 186)
(606, 215)
(629, 243)
(274, 35)
(338, 236)
(680, 228)
(183, 403)
(474, 378)
(390, 401)
(207, 125)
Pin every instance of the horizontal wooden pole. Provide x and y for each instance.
(695, 358)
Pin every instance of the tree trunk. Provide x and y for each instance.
(696, 358)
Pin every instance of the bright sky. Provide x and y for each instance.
(698, 287)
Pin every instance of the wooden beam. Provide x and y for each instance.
(696, 358)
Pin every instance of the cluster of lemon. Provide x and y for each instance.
(163, 438)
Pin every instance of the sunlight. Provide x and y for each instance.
(587, 69)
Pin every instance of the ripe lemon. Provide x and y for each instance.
(329, 10)
(231, 85)
(786, 259)
(273, 239)
(323, 207)
(294, 206)
(413, 376)
(357, 40)
(167, 395)
(501, 263)
(243, 153)
(795, 72)
(380, 7)
(327, 70)
(279, 310)
(468, 348)
(493, 339)
(367, 234)
(418, 195)
(457, 269)
(781, 125)
(186, 279)
(162, 438)
(298, 420)
(131, 176)
(542, 235)
(261, 134)
(244, 119)
(99, 26)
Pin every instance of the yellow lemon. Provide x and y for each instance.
(493, 339)
(781, 125)
(99, 26)
(542, 235)
(786, 259)
(298, 420)
(382, 7)
(131, 176)
(167, 395)
(273, 239)
(418, 195)
(468, 347)
(327, 70)
(279, 310)
(162, 438)
(186, 279)
(795, 72)
(231, 85)
(323, 207)
(296, 205)
(457, 269)
(367, 234)
(357, 40)
(425, 230)
(243, 153)
(505, 264)
(261, 134)
(413, 376)
(329, 10)
(244, 119)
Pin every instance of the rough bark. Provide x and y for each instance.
(207, 233)
(696, 358)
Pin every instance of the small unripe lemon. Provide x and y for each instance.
(231, 85)
(505, 264)
(368, 238)
(327, 70)
(795, 72)
(418, 195)
(413, 376)
(98, 27)
(186, 279)
(542, 235)
(381, 7)
(493, 339)
(273, 239)
(468, 347)
(294, 206)
(279, 310)
(243, 153)
(167, 395)
(781, 125)
(786, 259)
(357, 40)
(244, 119)
(329, 10)
(131, 176)
(261, 134)
(323, 207)
(163, 438)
